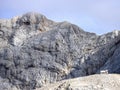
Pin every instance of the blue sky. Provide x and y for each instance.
(98, 16)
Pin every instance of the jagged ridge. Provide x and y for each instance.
(35, 51)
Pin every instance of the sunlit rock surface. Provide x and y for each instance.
(35, 51)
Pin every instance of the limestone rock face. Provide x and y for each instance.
(35, 51)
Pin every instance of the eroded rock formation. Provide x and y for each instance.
(35, 51)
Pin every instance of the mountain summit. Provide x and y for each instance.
(35, 51)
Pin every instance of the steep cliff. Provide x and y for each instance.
(35, 51)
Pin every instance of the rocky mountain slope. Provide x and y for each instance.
(35, 51)
(92, 82)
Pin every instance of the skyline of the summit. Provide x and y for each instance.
(98, 16)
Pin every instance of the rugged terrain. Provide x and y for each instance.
(35, 51)
(92, 82)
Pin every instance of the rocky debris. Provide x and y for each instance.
(92, 82)
(35, 51)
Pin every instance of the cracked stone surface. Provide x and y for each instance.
(35, 51)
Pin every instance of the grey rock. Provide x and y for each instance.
(92, 82)
(5, 85)
(35, 51)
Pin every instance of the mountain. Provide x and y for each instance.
(35, 51)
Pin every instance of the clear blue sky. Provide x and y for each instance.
(99, 16)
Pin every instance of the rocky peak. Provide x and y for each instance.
(35, 51)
